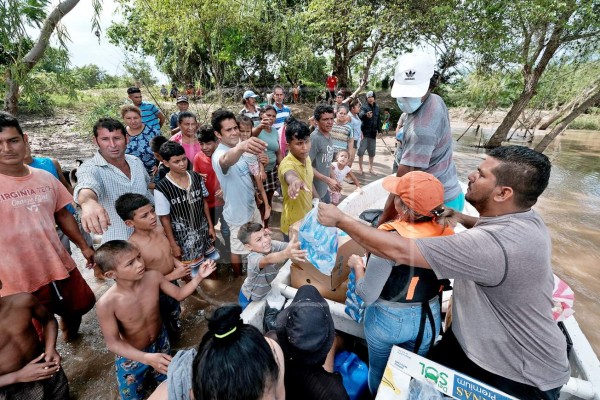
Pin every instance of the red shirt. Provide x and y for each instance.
(331, 82)
(203, 165)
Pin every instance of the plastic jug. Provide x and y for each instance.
(355, 373)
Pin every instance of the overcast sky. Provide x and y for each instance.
(84, 47)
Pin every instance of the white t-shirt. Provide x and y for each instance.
(238, 188)
(340, 174)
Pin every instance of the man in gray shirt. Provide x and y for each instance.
(503, 332)
(321, 152)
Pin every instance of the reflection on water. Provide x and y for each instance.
(571, 209)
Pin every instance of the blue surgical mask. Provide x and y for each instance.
(409, 104)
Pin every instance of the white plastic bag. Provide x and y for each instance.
(319, 241)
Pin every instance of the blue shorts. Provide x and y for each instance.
(137, 380)
(457, 204)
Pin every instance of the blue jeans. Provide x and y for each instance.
(388, 324)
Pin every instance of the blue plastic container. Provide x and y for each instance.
(355, 373)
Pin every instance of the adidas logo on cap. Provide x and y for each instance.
(410, 74)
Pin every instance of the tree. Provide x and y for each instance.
(570, 106)
(19, 67)
(220, 42)
(366, 28)
(592, 100)
(530, 33)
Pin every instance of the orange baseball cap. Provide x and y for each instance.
(420, 191)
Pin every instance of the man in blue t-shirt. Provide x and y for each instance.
(151, 115)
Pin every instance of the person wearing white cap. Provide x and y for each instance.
(251, 110)
(427, 137)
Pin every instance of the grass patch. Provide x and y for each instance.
(590, 122)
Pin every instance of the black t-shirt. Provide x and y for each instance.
(312, 382)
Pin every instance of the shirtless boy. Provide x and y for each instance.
(138, 213)
(29, 370)
(130, 319)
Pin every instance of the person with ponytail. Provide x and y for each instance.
(236, 362)
(233, 361)
(403, 304)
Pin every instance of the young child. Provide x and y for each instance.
(161, 170)
(182, 210)
(339, 171)
(296, 175)
(29, 369)
(269, 135)
(265, 258)
(385, 126)
(129, 316)
(137, 212)
(255, 165)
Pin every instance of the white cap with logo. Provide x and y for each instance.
(413, 72)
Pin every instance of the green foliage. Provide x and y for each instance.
(589, 121)
(478, 91)
(563, 82)
(498, 89)
(101, 104)
(139, 70)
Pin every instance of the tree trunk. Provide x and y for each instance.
(549, 120)
(364, 80)
(532, 70)
(562, 125)
(512, 116)
(11, 98)
(341, 69)
(26, 64)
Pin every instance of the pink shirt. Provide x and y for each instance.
(191, 149)
(32, 253)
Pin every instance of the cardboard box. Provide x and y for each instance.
(334, 286)
(404, 366)
(309, 275)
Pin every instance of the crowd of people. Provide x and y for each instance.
(157, 203)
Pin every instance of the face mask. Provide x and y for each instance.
(409, 104)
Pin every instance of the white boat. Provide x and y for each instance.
(585, 367)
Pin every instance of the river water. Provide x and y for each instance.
(570, 206)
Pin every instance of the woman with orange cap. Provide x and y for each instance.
(403, 304)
